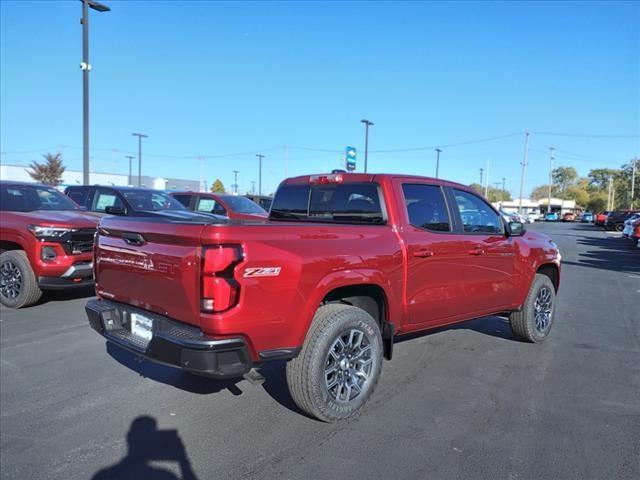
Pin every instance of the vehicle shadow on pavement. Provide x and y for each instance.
(610, 253)
(274, 373)
(147, 444)
(493, 326)
(172, 376)
(64, 295)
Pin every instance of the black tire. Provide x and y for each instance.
(14, 264)
(525, 324)
(306, 375)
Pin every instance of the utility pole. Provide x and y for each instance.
(85, 66)
(524, 169)
(633, 181)
(253, 186)
(437, 161)
(609, 189)
(551, 158)
(486, 183)
(235, 182)
(260, 157)
(367, 124)
(503, 185)
(481, 172)
(140, 137)
(129, 157)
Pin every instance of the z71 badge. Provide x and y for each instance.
(262, 272)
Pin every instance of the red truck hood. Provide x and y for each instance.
(61, 218)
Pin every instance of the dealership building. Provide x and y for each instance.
(74, 177)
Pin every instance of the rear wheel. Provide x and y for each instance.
(533, 323)
(18, 284)
(339, 364)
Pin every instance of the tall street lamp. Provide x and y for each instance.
(260, 157)
(140, 137)
(85, 66)
(437, 161)
(367, 124)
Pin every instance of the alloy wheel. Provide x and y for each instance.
(348, 365)
(543, 309)
(10, 280)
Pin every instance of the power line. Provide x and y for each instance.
(448, 145)
(588, 135)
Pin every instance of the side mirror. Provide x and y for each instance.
(515, 229)
(115, 211)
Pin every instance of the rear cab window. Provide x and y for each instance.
(79, 195)
(353, 203)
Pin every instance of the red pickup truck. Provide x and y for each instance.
(46, 243)
(345, 263)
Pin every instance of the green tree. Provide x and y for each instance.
(597, 202)
(50, 171)
(542, 191)
(218, 186)
(494, 194)
(563, 178)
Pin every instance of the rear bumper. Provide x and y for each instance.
(172, 343)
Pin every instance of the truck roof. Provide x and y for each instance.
(373, 177)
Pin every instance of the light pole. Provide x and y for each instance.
(140, 137)
(260, 157)
(85, 66)
(367, 124)
(524, 169)
(633, 181)
(130, 157)
(551, 158)
(437, 161)
(235, 181)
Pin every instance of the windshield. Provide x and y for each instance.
(27, 198)
(243, 205)
(151, 200)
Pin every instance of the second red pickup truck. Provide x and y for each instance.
(345, 263)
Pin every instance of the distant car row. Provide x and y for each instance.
(615, 220)
(46, 238)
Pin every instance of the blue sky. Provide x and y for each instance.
(205, 78)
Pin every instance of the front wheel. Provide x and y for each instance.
(533, 322)
(339, 364)
(18, 284)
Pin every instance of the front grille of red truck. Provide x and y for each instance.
(79, 241)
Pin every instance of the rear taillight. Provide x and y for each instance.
(220, 291)
(326, 178)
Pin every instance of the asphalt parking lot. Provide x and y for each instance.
(466, 401)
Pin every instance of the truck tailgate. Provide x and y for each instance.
(151, 264)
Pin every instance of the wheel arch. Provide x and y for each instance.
(552, 271)
(372, 299)
(7, 245)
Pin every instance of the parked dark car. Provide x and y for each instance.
(231, 206)
(263, 200)
(615, 220)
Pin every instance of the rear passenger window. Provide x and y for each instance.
(183, 199)
(476, 214)
(79, 196)
(426, 207)
(107, 199)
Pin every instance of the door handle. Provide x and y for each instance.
(423, 253)
(476, 251)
